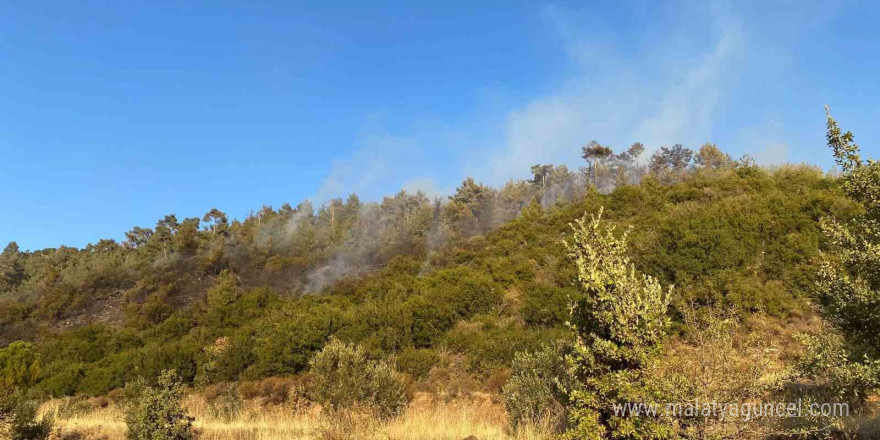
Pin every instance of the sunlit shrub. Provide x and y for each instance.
(155, 412)
(347, 378)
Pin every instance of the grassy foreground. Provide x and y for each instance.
(427, 417)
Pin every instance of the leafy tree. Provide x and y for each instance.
(595, 155)
(849, 276)
(849, 281)
(162, 239)
(11, 268)
(220, 298)
(218, 221)
(186, 240)
(138, 237)
(169, 222)
(635, 150)
(671, 161)
(466, 209)
(619, 323)
(539, 174)
(710, 156)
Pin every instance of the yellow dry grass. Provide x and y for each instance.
(427, 418)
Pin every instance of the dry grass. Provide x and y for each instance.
(427, 418)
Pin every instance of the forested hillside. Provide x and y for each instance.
(480, 275)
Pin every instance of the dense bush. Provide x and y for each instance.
(348, 379)
(537, 392)
(19, 365)
(546, 305)
(417, 362)
(19, 419)
(837, 377)
(155, 412)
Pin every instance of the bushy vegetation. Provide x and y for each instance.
(620, 321)
(537, 392)
(740, 236)
(849, 277)
(19, 419)
(347, 379)
(155, 412)
(619, 325)
(842, 364)
(476, 290)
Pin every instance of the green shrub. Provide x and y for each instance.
(155, 413)
(535, 394)
(827, 364)
(417, 362)
(490, 343)
(348, 379)
(287, 339)
(546, 305)
(19, 365)
(18, 417)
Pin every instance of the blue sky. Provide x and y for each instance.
(113, 114)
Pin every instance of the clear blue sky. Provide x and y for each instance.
(113, 114)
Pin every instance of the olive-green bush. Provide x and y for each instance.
(348, 379)
(155, 412)
(537, 392)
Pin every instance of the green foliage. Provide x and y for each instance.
(491, 343)
(537, 392)
(464, 292)
(482, 275)
(849, 278)
(220, 298)
(18, 417)
(288, 339)
(225, 359)
(619, 324)
(155, 412)
(12, 271)
(417, 362)
(348, 379)
(838, 378)
(545, 305)
(19, 365)
(847, 368)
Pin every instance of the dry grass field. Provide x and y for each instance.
(428, 417)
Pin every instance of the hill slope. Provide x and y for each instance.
(481, 276)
